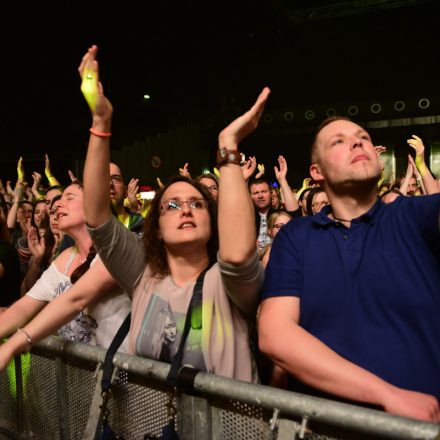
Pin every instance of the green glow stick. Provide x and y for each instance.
(89, 87)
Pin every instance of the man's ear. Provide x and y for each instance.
(315, 172)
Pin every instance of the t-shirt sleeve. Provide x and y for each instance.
(283, 273)
(121, 251)
(243, 283)
(45, 287)
(425, 212)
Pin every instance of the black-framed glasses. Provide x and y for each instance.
(175, 205)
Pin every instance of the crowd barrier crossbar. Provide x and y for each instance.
(56, 395)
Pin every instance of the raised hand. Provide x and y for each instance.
(281, 173)
(36, 246)
(72, 176)
(248, 168)
(20, 170)
(380, 149)
(36, 180)
(416, 143)
(244, 125)
(132, 190)
(92, 89)
(185, 171)
(261, 170)
(159, 182)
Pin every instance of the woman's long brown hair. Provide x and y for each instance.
(155, 252)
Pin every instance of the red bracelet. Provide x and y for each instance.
(99, 133)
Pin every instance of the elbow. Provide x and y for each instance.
(237, 258)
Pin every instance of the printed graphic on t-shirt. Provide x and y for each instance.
(81, 327)
(160, 335)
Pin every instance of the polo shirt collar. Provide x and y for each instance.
(323, 219)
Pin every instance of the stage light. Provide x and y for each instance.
(424, 103)
(353, 110)
(376, 108)
(268, 118)
(288, 116)
(146, 97)
(399, 106)
(330, 112)
(309, 115)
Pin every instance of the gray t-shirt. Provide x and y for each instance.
(159, 306)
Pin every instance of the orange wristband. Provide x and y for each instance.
(99, 133)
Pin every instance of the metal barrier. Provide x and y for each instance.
(57, 396)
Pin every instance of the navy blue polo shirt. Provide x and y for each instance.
(370, 292)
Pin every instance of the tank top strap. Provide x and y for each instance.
(70, 259)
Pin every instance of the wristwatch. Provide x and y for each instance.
(225, 156)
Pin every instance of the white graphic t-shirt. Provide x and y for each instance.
(96, 324)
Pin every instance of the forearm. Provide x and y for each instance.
(290, 201)
(404, 186)
(305, 357)
(18, 315)
(429, 183)
(97, 178)
(12, 215)
(236, 238)
(32, 275)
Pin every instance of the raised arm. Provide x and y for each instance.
(409, 173)
(96, 170)
(308, 359)
(237, 238)
(53, 181)
(12, 213)
(429, 182)
(94, 283)
(289, 199)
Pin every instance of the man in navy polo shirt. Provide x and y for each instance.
(351, 301)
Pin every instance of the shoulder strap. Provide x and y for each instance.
(70, 259)
(193, 315)
(113, 348)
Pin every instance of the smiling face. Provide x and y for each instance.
(345, 157)
(185, 226)
(70, 209)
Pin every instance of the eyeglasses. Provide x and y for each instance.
(174, 205)
(278, 225)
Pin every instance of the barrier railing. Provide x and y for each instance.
(54, 393)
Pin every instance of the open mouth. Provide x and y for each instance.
(187, 225)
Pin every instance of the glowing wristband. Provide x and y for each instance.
(100, 133)
(89, 87)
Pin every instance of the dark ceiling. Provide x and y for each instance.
(196, 58)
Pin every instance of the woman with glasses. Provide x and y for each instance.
(182, 238)
(210, 181)
(274, 223)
